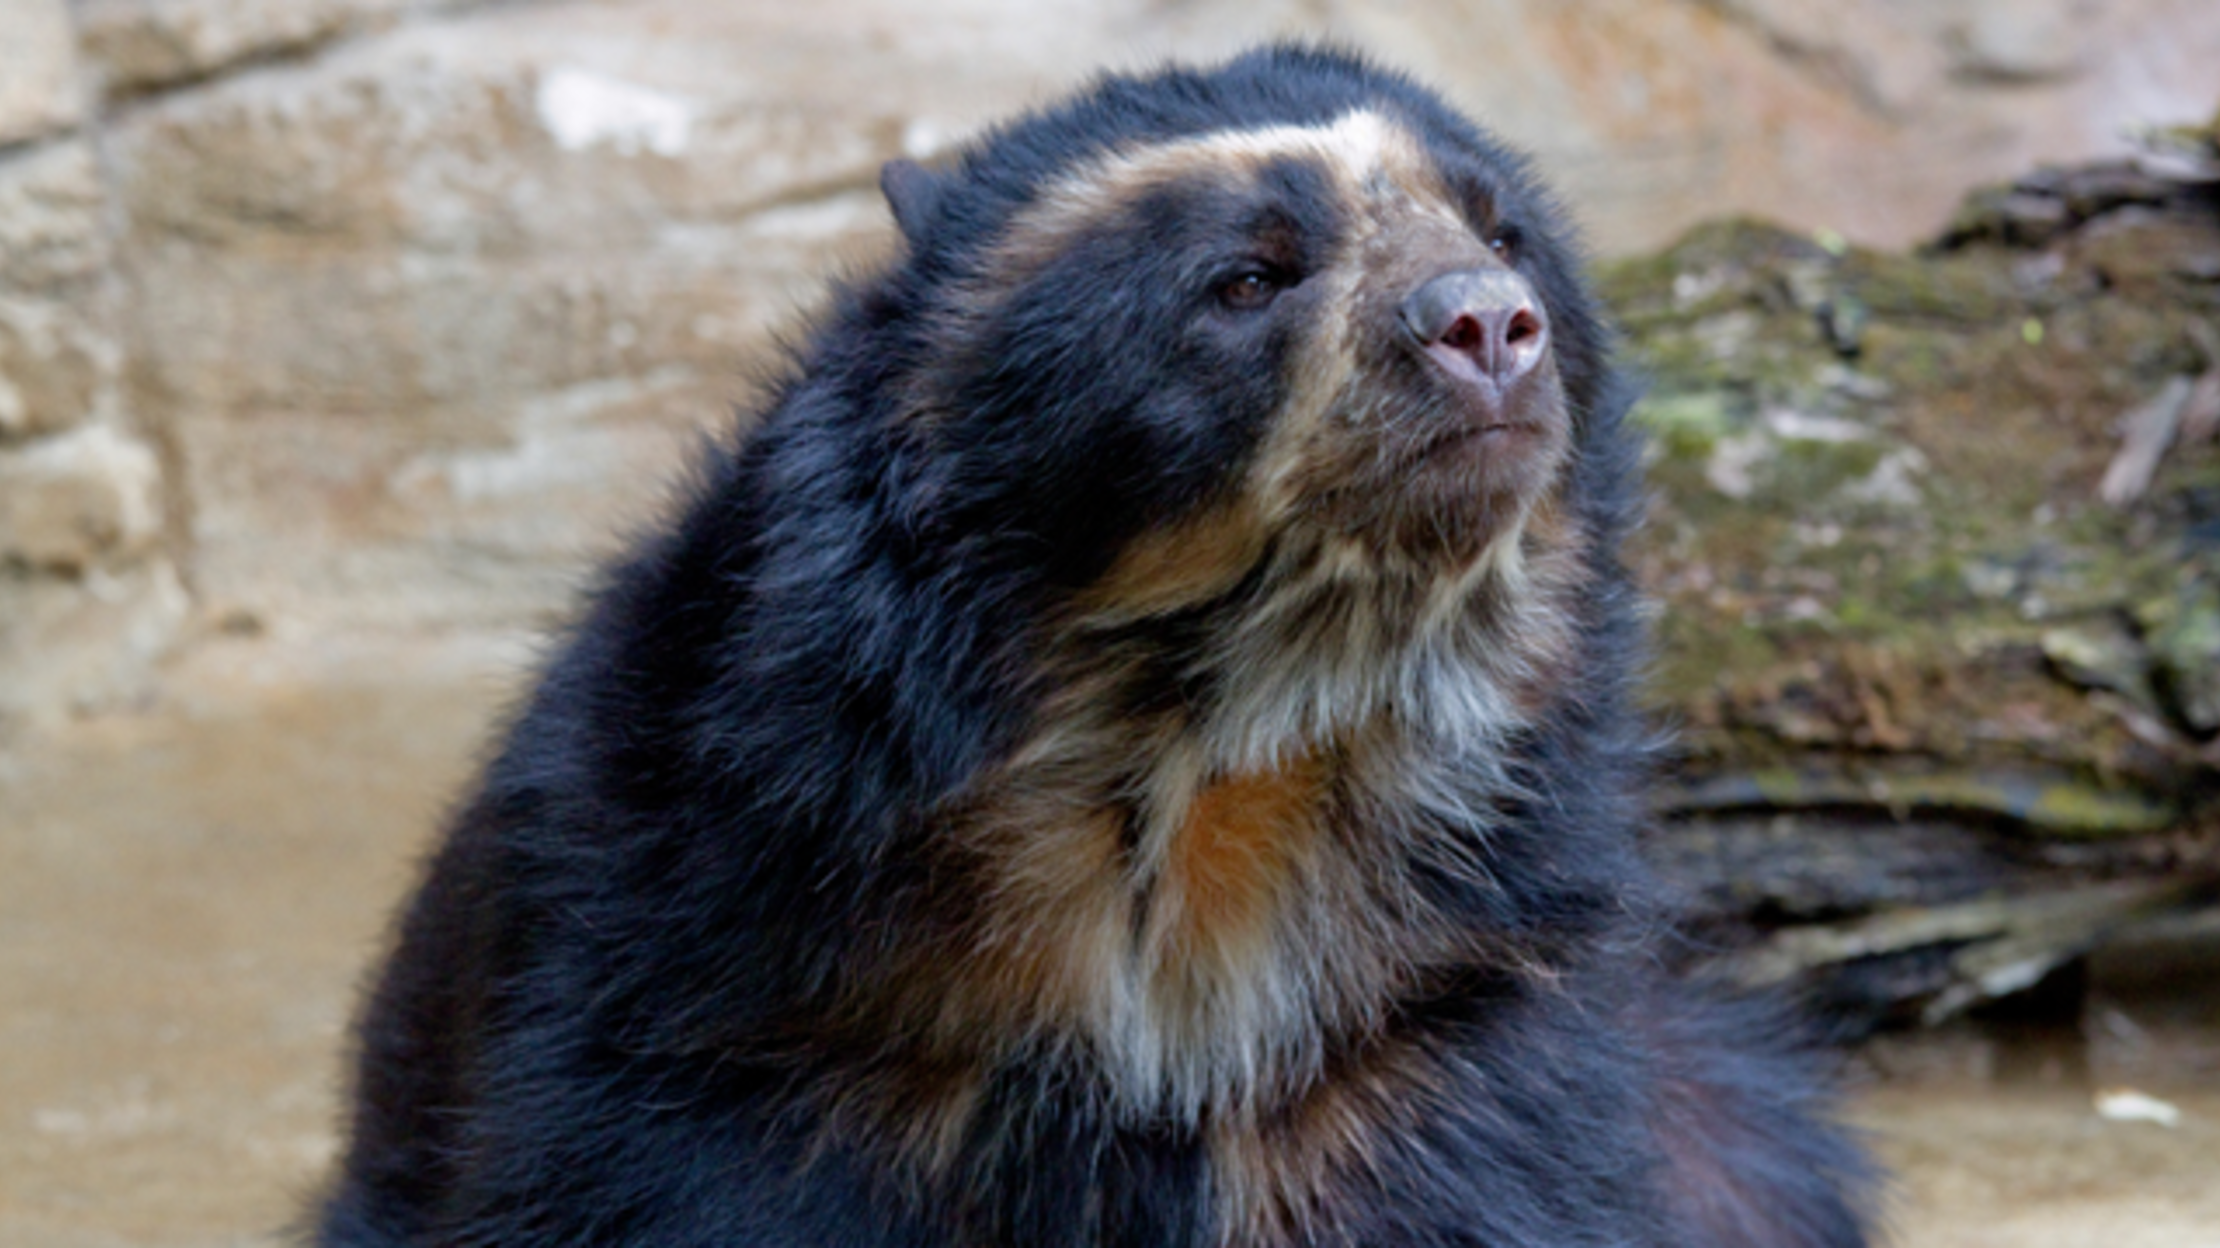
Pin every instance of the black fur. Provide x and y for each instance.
(613, 1015)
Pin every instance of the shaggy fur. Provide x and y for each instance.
(1134, 747)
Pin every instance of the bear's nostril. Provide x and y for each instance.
(1463, 335)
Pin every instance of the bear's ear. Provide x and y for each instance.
(913, 194)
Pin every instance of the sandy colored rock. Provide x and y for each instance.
(186, 936)
(69, 502)
(54, 365)
(39, 93)
(2027, 42)
(73, 646)
(134, 46)
(1866, 117)
(431, 329)
(58, 353)
(311, 523)
(51, 235)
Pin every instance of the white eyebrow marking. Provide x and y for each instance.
(1375, 158)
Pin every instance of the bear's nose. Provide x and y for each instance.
(1482, 325)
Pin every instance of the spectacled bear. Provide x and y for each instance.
(1134, 747)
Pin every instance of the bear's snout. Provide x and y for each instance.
(1484, 327)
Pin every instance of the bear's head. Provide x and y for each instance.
(1291, 304)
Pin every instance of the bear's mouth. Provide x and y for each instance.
(1493, 437)
(1495, 433)
(1508, 428)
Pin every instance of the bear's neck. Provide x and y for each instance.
(1202, 865)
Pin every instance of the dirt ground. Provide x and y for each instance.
(189, 896)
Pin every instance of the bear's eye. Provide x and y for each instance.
(1504, 241)
(1249, 290)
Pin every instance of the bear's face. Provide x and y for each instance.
(1181, 353)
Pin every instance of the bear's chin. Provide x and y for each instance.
(1442, 504)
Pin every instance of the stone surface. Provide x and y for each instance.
(1866, 117)
(134, 46)
(2033, 1167)
(70, 502)
(84, 613)
(432, 323)
(39, 92)
(2027, 42)
(184, 936)
(391, 528)
(82, 645)
(59, 355)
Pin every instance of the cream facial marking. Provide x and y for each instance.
(1376, 163)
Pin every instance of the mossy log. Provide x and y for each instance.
(1935, 545)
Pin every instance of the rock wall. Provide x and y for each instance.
(380, 317)
(89, 586)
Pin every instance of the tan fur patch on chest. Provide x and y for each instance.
(1234, 856)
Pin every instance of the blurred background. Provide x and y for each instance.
(340, 338)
